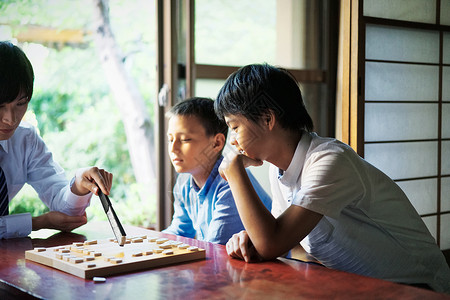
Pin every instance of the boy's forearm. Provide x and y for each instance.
(258, 221)
(271, 237)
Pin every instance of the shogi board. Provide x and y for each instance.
(106, 257)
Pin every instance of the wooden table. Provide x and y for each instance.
(216, 277)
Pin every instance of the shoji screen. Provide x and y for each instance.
(406, 101)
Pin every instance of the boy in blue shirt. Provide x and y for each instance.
(203, 204)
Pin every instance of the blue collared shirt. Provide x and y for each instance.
(209, 213)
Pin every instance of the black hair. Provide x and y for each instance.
(203, 109)
(255, 90)
(16, 73)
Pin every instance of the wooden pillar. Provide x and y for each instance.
(167, 86)
(347, 77)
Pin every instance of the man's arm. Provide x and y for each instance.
(15, 226)
(58, 220)
(49, 180)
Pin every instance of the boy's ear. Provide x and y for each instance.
(219, 141)
(269, 119)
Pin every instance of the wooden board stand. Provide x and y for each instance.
(106, 257)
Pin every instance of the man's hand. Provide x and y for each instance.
(90, 179)
(240, 246)
(58, 220)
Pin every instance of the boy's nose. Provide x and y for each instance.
(174, 146)
(7, 116)
(233, 140)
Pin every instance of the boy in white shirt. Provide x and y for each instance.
(346, 213)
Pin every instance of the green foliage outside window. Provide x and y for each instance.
(72, 105)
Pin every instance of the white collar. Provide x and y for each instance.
(291, 175)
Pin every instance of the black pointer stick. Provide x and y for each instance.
(117, 228)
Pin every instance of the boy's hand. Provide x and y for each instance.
(236, 160)
(58, 220)
(90, 179)
(241, 247)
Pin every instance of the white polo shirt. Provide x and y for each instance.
(369, 226)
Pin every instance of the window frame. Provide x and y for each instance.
(175, 30)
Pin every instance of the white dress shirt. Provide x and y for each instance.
(25, 159)
(369, 226)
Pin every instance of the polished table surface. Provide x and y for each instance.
(216, 277)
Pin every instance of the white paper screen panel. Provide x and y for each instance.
(401, 82)
(400, 121)
(446, 84)
(445, 12)
(446, 48)
(446, 120)
(445, 161)
(431, 223)
(401, 44)
(403, 160)
(423, 11)
(445, 194)
(445, 233)
(422, 194)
